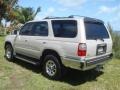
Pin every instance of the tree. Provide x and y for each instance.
(6, 9)
(25, 14)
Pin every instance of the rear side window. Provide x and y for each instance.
(40, 29)
(95, 30)
(64, 28)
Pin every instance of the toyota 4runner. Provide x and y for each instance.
(78, 42)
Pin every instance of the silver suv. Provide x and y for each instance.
(78, 42)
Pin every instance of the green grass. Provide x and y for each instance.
(22, 76)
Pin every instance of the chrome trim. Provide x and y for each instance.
(51, 68)
(97, 61)
(86, 64)
(74, 58)
(8, 53)
(71, 63)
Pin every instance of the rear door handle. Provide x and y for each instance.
(26, 40)
(44, 42)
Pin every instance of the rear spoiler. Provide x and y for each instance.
(93, 20)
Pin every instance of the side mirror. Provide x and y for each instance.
(14, 32)
(17, 32)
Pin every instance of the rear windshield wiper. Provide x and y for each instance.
(99, 39)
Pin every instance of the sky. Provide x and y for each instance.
(106, 10)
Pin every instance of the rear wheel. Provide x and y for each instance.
(52, 67)
(9, 52)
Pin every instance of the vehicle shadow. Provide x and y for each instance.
(77, 77)
(27, 66)
(73, 77)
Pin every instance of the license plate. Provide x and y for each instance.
(100, 50)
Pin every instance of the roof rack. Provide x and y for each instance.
(71, 16)
(74, 16)
(52, 17)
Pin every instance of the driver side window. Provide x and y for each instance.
(26, 29)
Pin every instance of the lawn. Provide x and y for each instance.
(19, 75)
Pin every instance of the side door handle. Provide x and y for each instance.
(44, 42)
(26, 40)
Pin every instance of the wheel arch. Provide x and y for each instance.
(52, 52)
(6, 43)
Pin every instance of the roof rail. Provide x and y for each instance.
(73, 16)
(52, 17)
(49, 17)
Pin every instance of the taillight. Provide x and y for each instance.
(82, 49)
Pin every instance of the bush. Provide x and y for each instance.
(116, 41)
(1, 31)
(116, 45)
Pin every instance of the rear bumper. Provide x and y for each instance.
(86, 64)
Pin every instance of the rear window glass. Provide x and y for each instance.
(64, 28)
(95, 30)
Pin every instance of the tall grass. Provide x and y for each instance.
(116, 45)
(1, 31)
(116, 41)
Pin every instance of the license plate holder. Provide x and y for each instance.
(101, 49)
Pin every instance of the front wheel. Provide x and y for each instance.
(9, 52)
(52, 67)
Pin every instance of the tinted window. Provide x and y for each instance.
(64, 28)
(40, 29)
(95, 30)
(26, 29)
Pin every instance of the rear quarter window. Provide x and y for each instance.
(64, 28)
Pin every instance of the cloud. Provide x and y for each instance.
(115, 21)
(70, 3)
(62, 9)
(48, 12)
(105, 0)
(113, 14)
(76, 3)
(105, 9)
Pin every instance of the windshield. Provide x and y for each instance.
(95, 30)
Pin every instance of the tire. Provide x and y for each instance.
(52, 67)
(9, 52)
